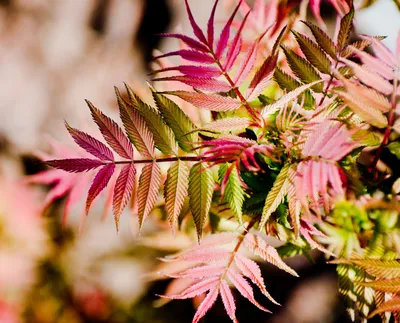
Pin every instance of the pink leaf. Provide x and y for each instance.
(369, 78)
(197, 289)
(123, 190)
(382, 51)
(258, 245)
(246, 65)
(192, 43)
(90, 144)
(210, 25)
(261, 78)
(201, 272)
(112, 133)
(196, 29)
(211, 102)
(224, 37)
(315, 8)
(228, 300)
(99, 183)
(374, 64)
(204, 255)
(251, 270)
(201, 83)
(191, 55)
(149, 183)
(199, 71)
(206, 304)
(244, 288)
(75, 165)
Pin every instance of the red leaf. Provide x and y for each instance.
(90, 144)
(210, 25)
(201, 83)
(199, 71)
(224, 37)
(190, 55)
(196, 29)
(75, 165)
(211, 102)
(228, 300)
(99, 183)
(112, 133)
(261, 78)
(206, 304)
(192, 43)
(123, 190)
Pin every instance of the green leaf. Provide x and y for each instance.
(344, 30)
(303, 69)
(394, 148)
(175, 191)
(164, 137)
(285, 81)
(233, 191)
(315, 55)
(201, 188)
(323, 40)
(276, 194)
(177, 120)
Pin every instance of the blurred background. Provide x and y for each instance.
(53, 55)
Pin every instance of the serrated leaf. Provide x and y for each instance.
(164, 137)
(175, 191)
(227, 124)
(285, 81)
(323, 40)
(303, 69)
(177, 120)
(206, 304)
(90, 144)
(392, 306)
(385, 269)
(232, 189)
(315, 55)
(99, 183)
(369, 114)
(344, 30)
(213, 102)
(276, 194)
(285, 99)
(112, 133)
(190, 70)
(136, 128)
(75, 165)
(123, 190)
(149, 183)
(200, 83)
(388, 285)
(190, 55)
(228, 300)
(258, 245)
(201, 187)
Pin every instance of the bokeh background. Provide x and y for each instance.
(53, 55)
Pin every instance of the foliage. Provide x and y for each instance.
(302, 145)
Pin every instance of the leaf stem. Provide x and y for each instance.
(328, 85)
(158, 160)
(238, 244)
